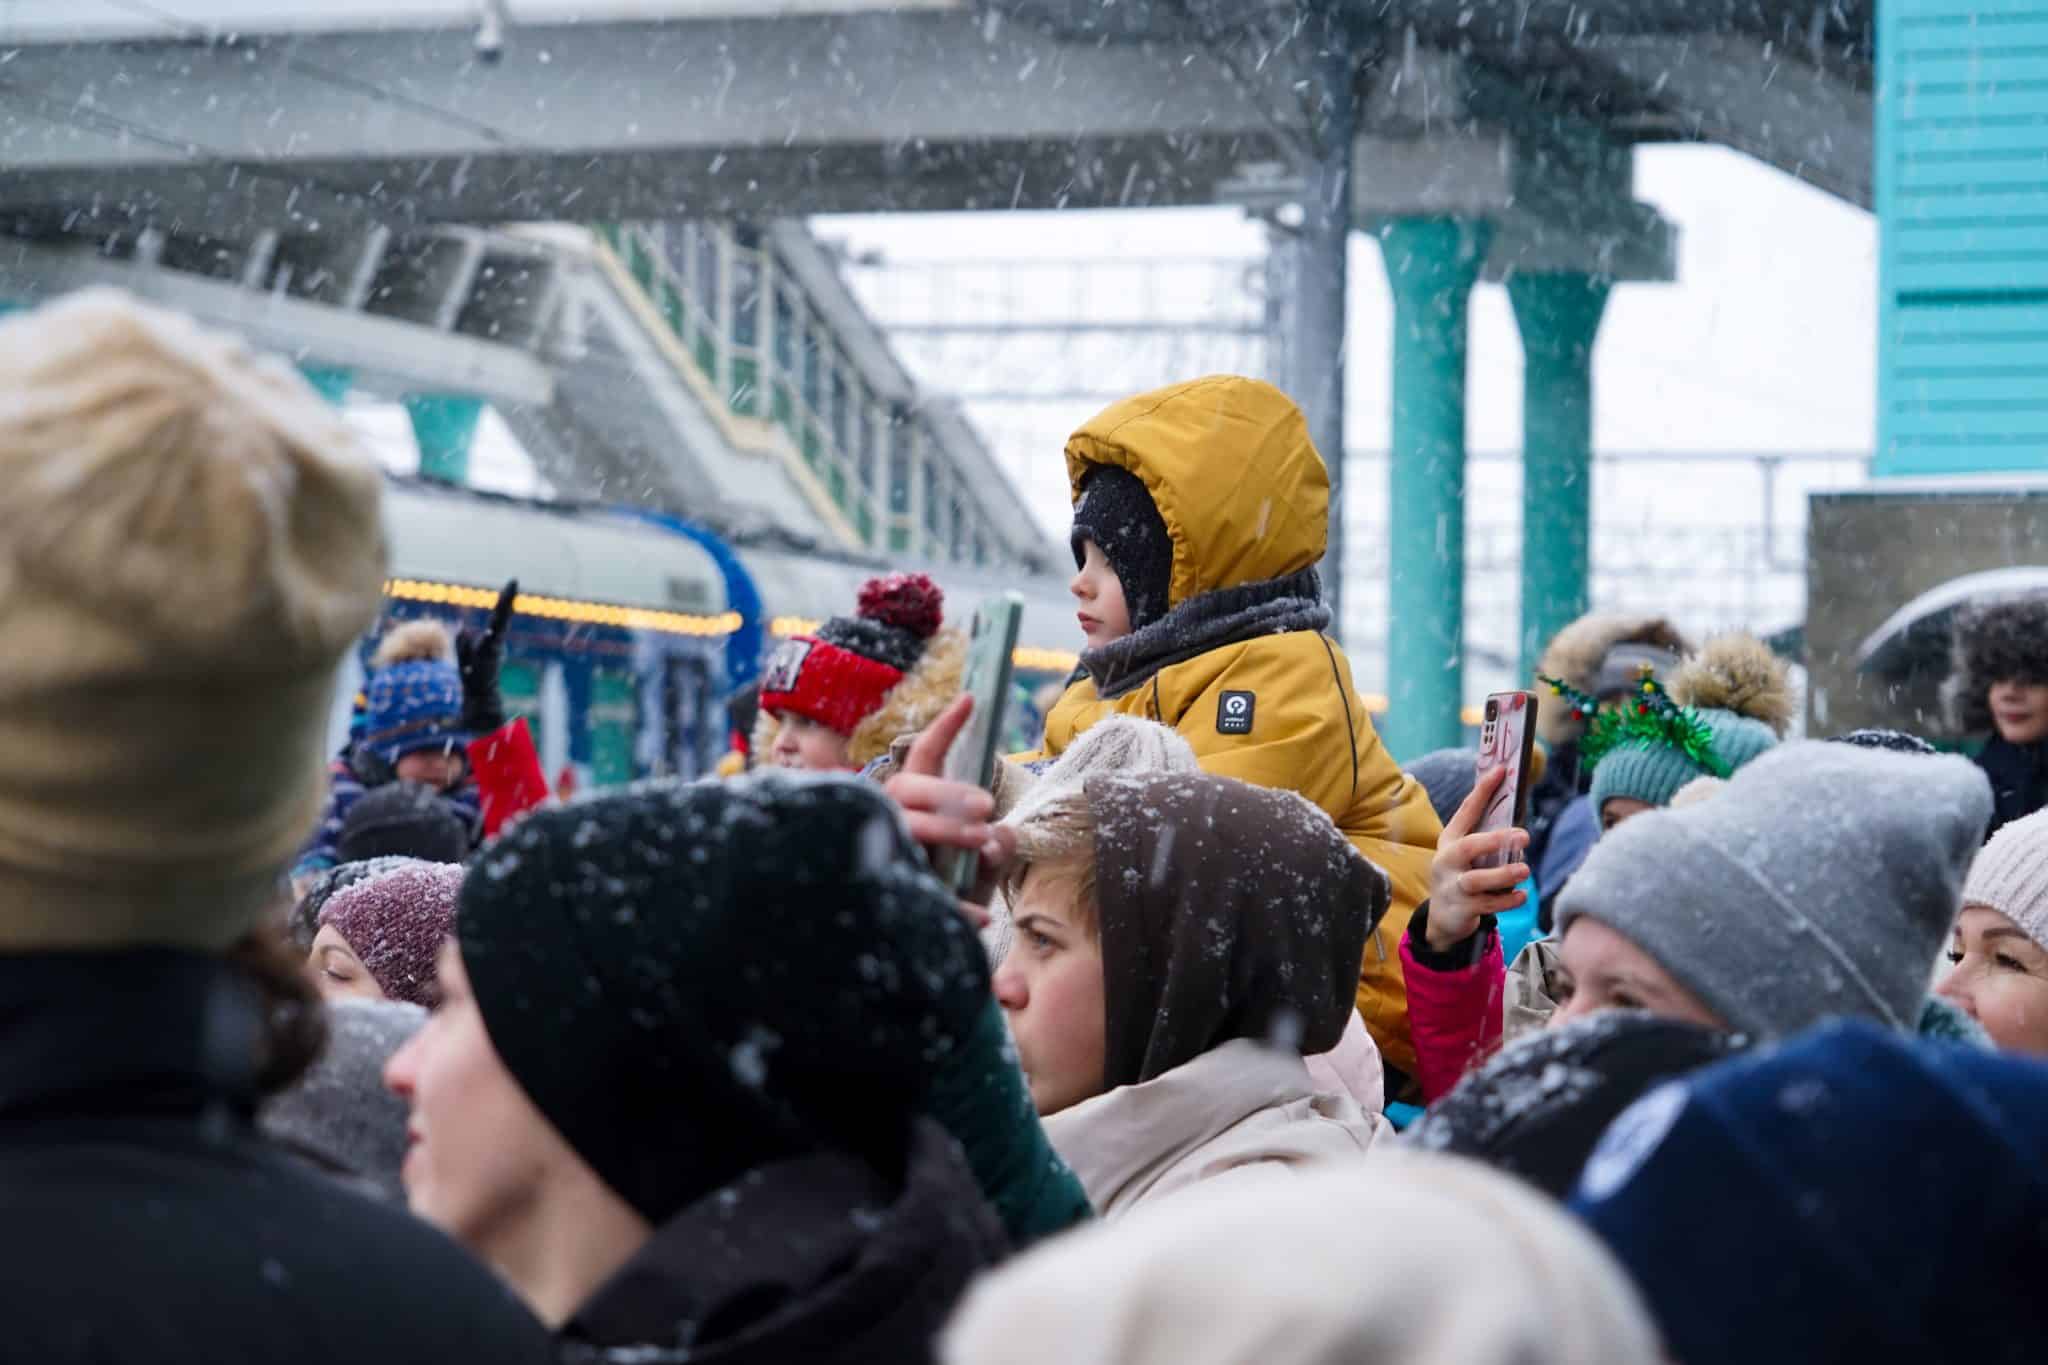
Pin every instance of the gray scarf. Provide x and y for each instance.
(1273, 606)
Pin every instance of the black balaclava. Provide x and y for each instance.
(692, 981)
(1117, 512)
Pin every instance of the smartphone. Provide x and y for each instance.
(1507, 739)
(991, 652)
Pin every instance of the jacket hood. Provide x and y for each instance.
(815, 1258)
(1227, 911)
(1230, 466)
(1575, 654)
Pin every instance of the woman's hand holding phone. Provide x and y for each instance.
(1462, 893)
(944, 814)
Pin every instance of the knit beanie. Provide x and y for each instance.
(189, 542)
(845, 672)
(404, 820)
(1448, 775)
(690, 981)
(395, 923)
(1117, 512)
(415, 694)
(1287, 1271)
(2011, 876)
(1822, 881)
(303, 922)
(1740, 690)
(1537, 1109)
(339, 1113)
(1835, 1199)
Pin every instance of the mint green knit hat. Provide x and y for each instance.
(1739, 689)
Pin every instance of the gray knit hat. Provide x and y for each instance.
(1448, 775)
(2011, 876)
(1822, 881)
(339, 1115)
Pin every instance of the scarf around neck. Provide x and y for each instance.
(1227, 616)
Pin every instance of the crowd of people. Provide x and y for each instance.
(1247, 1044)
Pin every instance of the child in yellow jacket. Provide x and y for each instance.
(1200, 513)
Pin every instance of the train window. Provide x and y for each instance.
(934, 507)
(864, 439)
(958, 538)
(785, 329)
(709, 296)
(899, 471)
(842, 432)
(813, 362)
(746, 298)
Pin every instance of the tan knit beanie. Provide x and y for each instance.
(189, 541)
(2011, 876)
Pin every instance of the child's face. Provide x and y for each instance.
(436, 768)
(1101, 595)
(801, 742)
(2020, 711)
(1050, 987)
(1608, 972)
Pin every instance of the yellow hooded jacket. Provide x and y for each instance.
(1245, 498)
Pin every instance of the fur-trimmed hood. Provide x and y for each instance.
(912, 703)
(1994, 641)
(1576, 653)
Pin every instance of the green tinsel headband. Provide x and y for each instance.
(1646, 717)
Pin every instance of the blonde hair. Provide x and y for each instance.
(1057, 830)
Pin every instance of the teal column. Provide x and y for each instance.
(1558, 316)
(445, 427)
(1431, 264)
(332, 381)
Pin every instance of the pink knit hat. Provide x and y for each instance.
(395, 924)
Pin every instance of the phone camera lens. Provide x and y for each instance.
(1493, 710)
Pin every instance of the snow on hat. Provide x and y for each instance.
(1117, 512)
(1822, 881)
(1278, 1270)
(1739, 689)
(303, 923)
(394, 924)
(339, 1112)
(1538, 1107)
(405, 820)
(1848, 1190)
(1898, 741)
(415, 694)
(764, 966)
(189, 542)
(2011, 876)
(890, 667)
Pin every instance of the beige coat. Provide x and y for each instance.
(1241, 1110)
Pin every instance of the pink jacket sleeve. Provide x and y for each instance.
(1455, 1016)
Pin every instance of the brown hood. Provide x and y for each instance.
(1574, 655)
(1226, 910)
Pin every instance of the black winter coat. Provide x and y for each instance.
(143, 1219)
(2019, 779)
(814, 1259)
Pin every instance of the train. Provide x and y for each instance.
(633, 628)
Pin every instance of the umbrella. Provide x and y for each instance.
(1915, 640)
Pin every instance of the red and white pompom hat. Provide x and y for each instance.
(890, 668)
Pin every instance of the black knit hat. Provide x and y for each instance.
(690, 981)
(1538, 1109)
(1116, 511)
(405, 820)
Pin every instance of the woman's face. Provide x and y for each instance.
(1607, 972)
(478, 1153)
(338, 974)
(801, 742)
(2020, 711)
(1050, 988)
(1999, 977)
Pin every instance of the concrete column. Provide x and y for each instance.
(445, 427)
(1431, 265)
(1322, 284)
(1558, 316)
(332, 381)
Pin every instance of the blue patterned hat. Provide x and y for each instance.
(414, 706)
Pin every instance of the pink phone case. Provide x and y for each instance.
(1507, 739)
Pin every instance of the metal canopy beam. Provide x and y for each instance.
(385, 355)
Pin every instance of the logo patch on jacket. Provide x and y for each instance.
(1234, 712)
